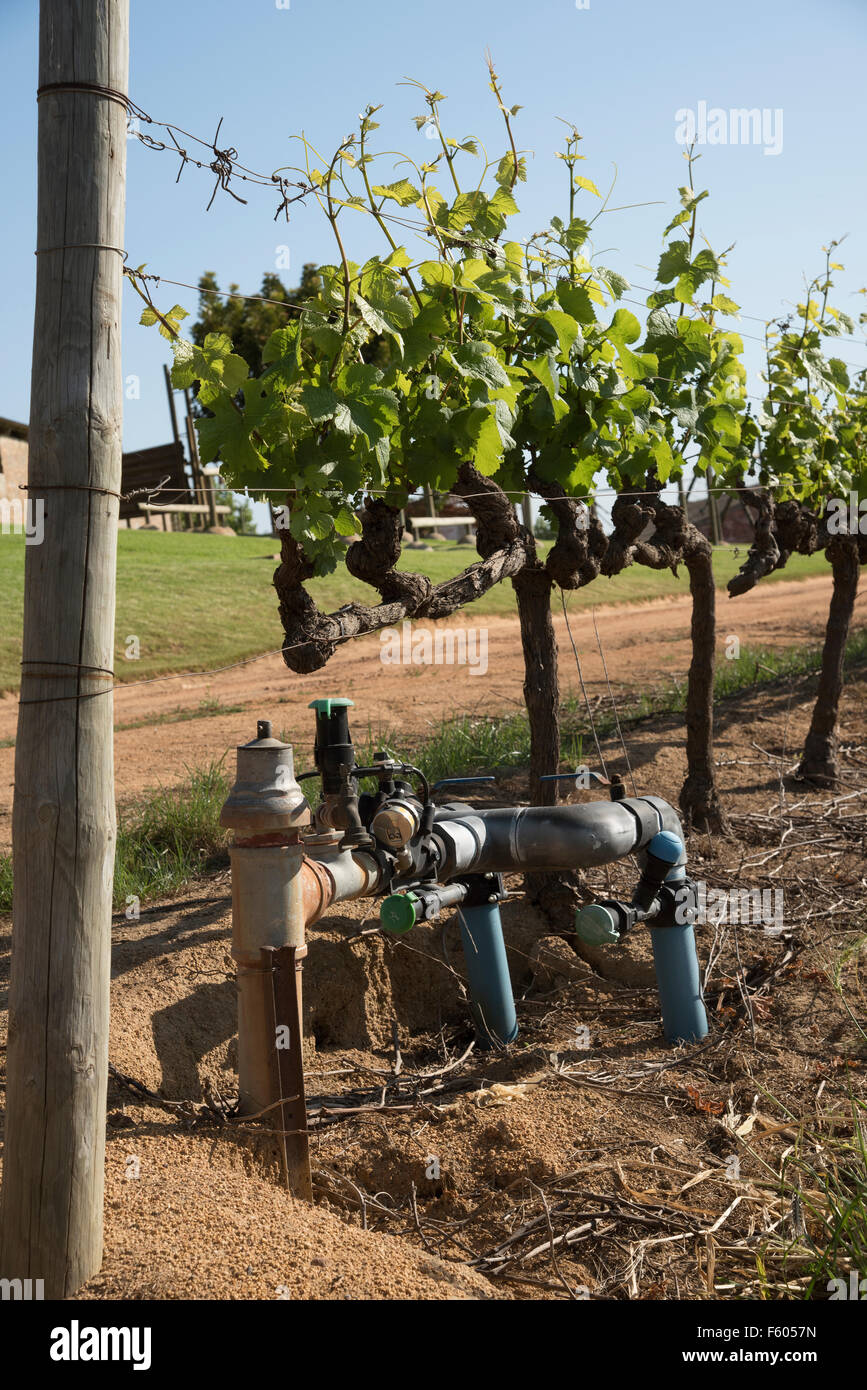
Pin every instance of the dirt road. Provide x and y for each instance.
(646, 645)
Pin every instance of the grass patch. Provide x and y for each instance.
(5, 883)
(467, 746)
(762, 666)
(229, 609)
(164, 841)
(752, 669)
(172, 837)
(825, 1180)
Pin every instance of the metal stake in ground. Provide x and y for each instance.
(284, 965)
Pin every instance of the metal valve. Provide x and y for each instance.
(396, 823)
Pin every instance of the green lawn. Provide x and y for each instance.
(196, 601)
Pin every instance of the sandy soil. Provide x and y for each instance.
(645, 646)
(652, 1170)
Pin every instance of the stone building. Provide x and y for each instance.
(13, 459)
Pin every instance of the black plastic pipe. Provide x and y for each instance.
(547, 837)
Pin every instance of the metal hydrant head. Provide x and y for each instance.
(266, 797)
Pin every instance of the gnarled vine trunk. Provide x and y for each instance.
(699, 797)
(574, 560)
(820, 762)
(542, 698)
(791, 528)
(541, 685)
(675, 540)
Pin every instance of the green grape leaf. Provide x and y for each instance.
(477, 361)
(673, 262)
(402, 192)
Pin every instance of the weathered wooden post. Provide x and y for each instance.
(63, 817)
(713, 509)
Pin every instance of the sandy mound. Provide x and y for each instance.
(196, 1224)
(173, 1005)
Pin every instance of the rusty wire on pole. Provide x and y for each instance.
(224, 164)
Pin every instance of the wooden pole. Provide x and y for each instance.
(198, 481)
(713, 510)
(63, 825)
(172, 412)
(193, 444)
(211, 492)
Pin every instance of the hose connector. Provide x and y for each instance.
(603, 924)
(401, 911)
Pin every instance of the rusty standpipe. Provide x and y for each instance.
(265, 809)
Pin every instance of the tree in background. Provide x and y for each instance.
(249, 323)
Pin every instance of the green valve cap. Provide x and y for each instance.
(595, 925)
(325, 706)
(398, 913)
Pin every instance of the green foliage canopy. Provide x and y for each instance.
(515, 356)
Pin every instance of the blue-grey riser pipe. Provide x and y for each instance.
(678, 982)
(675, 958)
(493, 1002)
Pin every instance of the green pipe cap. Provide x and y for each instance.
(595, 925)
(325, 706)
(398, 913)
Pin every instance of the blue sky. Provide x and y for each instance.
(620, 70)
